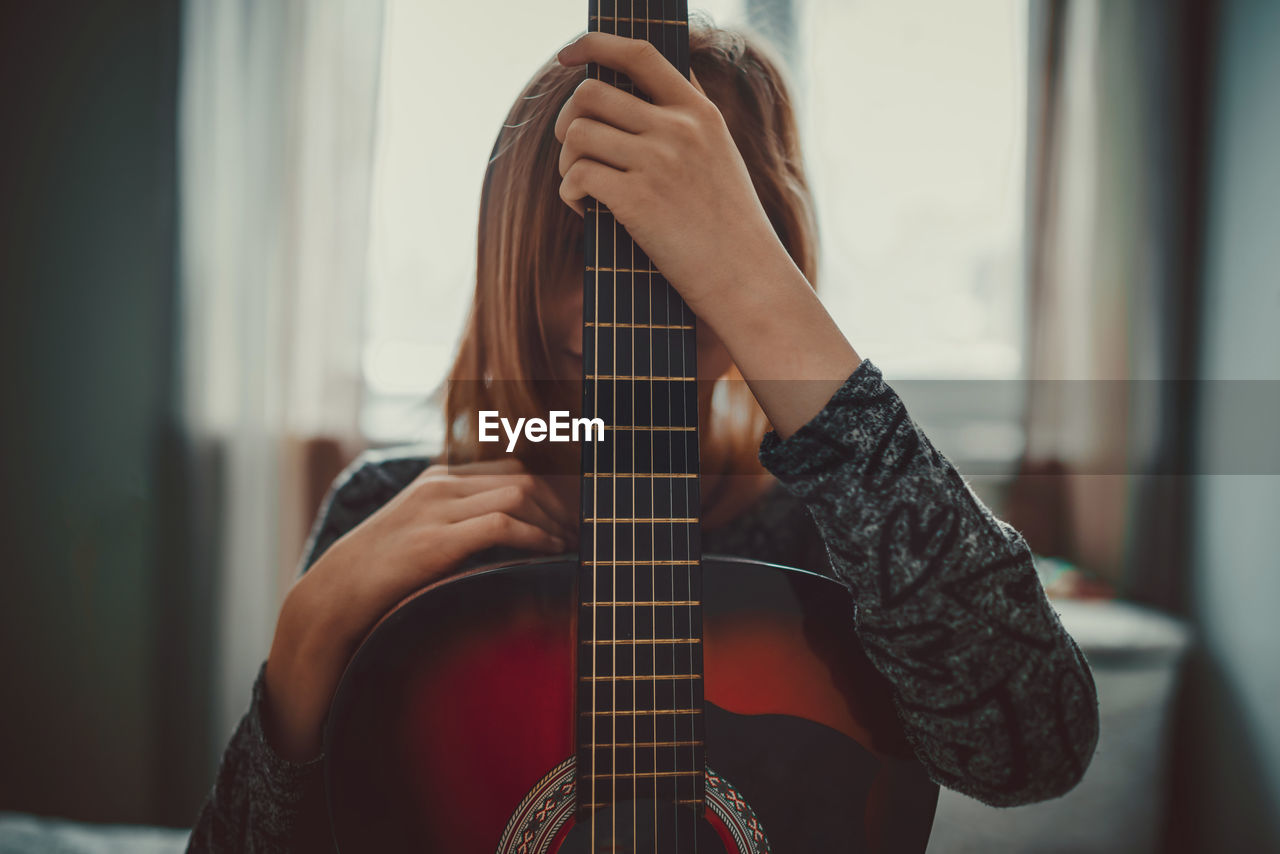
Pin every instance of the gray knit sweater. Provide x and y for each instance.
(994, 694)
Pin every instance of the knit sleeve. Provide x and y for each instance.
(260, 801)
(993, 693)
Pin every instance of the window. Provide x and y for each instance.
(915, 124)
(914, 120)
(915, 127)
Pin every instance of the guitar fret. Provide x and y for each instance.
(624, 20)
(673, 677)
(591, 269)
(633, 377)
(688, 603)
(598, 474)
(641, 641)
(648, 744)
(659, 429)
(640, 563)
(626, 713)
(607, 325)
(628, 520)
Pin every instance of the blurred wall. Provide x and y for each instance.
(1232, 784)
(92, 724)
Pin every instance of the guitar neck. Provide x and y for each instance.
(640, 586)
(662, 23)
(639, 356)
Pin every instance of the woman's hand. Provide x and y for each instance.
(670, 172)
(421, 535)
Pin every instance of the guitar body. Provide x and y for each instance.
(453, 729)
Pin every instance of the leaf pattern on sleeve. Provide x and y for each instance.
(995, 696)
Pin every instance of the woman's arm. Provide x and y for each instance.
(993, 692)
(671, 173)
(995, 695)
(373, 543)
(261, 801)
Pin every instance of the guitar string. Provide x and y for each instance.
(666, 320)
(682, 51)
(613, 681)
(595, 501)
(613, 671)
(668, 50)
(671, 550)
(635, 652)
(653, 506)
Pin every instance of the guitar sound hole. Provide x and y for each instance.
(631, 828)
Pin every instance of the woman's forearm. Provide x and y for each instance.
(420, 534)
(308, 654)
(788, 348)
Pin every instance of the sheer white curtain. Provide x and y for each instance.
(1112, 278)
(277, 123)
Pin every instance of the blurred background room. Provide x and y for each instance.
(237, 245)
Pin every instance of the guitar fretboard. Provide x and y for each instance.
(640, 697)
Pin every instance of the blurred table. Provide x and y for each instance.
(1134, 653)
(28, 834)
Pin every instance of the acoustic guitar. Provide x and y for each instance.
(640, 697)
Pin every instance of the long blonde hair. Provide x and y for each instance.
(528, 241)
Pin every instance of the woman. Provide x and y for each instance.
(994, 695)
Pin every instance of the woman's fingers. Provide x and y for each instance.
(597, 143)
(592, 140)
(589, 178)
(538, 489)
(514, 499)
(636, 58)
(598, 100)
(502, 529)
